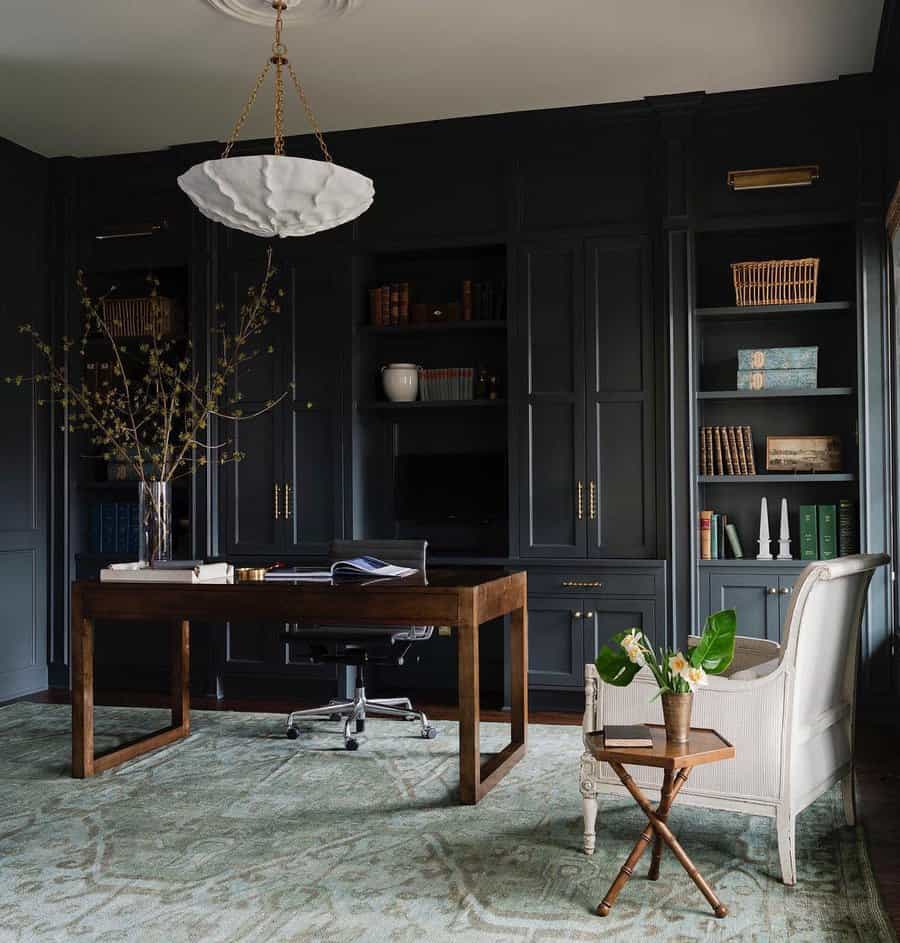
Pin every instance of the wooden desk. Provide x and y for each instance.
(464, 598)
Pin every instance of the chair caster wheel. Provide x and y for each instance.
(360, 726)
(292, 733)
(351, 744)
(429, 733)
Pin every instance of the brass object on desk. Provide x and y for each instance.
(250, 574)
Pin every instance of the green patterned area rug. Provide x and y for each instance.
(239, 834)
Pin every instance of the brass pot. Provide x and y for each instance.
(677, 716)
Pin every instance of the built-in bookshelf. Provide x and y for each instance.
(721, 328)
(432, 469)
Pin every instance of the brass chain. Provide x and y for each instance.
(232, 139)
(310, 116)
(279, 59)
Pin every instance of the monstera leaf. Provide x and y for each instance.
(613, 664)
(715, 649)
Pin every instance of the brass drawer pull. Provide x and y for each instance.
(580, 500)
(592, 501)
(277, 502)
(287, 501)
(581, 584)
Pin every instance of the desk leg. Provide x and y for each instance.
(469, 710)
(82, 692)
(180, 675)
(662, 813)
(518, 690)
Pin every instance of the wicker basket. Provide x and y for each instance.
(134, 317)
(777, 282)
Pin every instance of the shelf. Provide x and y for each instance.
(753, 562)
(746, 312)
(776, 394)
(437, 327)
(436, 404)
(779, 478)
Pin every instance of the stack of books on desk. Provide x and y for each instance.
(170, 571)
(355, 569)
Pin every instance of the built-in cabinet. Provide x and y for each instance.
(586, 412)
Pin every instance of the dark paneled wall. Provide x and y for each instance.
(24, 469)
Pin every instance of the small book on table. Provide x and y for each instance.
(627, 735)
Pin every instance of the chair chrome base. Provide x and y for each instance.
(354, 714)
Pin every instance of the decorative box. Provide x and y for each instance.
(776, 379)
(779, 358)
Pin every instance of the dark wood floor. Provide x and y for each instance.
(877, 769)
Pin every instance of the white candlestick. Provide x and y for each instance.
(784, 536)
(764, 540)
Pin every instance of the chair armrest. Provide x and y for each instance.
(748, 652)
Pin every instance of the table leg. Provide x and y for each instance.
(518, 690)
(469, 709)
(82, 692)
(664, 803)
(180, 673)
(627, 869)
(662, 829)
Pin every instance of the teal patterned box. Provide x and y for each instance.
(776, 379)
(779, 358)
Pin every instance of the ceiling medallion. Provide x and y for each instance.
(261, 13)
(271, 194)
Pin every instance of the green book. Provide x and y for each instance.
(827, 532)
(735, 541)
(714, 538)
(809, 532)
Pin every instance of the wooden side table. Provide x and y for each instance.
(703, 746)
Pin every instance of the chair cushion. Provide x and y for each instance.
(756, 671)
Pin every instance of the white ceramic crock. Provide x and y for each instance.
(401, 382)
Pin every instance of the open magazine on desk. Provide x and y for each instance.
(358, 568)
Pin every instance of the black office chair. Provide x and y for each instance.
(358, 646)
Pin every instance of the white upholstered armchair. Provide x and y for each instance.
(788, 710)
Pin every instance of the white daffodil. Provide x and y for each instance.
(694, 677)
(634, 653)
(678, 664)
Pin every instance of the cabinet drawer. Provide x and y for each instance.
(571, 582)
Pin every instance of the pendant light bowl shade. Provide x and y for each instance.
(272, 195)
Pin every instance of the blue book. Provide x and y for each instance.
(123, 525)
(779, 358)
(714, 538)
(107, 527)
(777, 379)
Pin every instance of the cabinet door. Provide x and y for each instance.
(785, 597)
(551, 349)
(555, 642)
(318, 312)
(754, 596)
(253, 518)
(619, 397)
(603, 618)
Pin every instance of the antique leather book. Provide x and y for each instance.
(627, 735)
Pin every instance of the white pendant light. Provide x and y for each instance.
(271, 194)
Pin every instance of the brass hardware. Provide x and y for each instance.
(287, 501)
(773, 590)
(577, 615)
(786, 590)
(770, 178)
(277, 502)
(581, 584)
(250, 574)
(309, 404)
(592, 501)
(445, 631)
(580, 501)
(131, 232)
(589, 614)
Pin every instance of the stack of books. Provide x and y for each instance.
(716, 534)
(446, 383)
(114, 527)
(828, 531)
(389, 304)
(169, 571)
(726, 450)
(481, 301)
(778, 368)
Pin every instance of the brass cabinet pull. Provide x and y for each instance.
(592, 501)
(577, 615)
(589, 614)
(786, 590)
(287, 501)
(277, 502)
(773, 590)
(580, 501)
(581, 584)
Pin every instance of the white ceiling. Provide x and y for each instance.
(105, 76)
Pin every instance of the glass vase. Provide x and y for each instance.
(155, 517)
